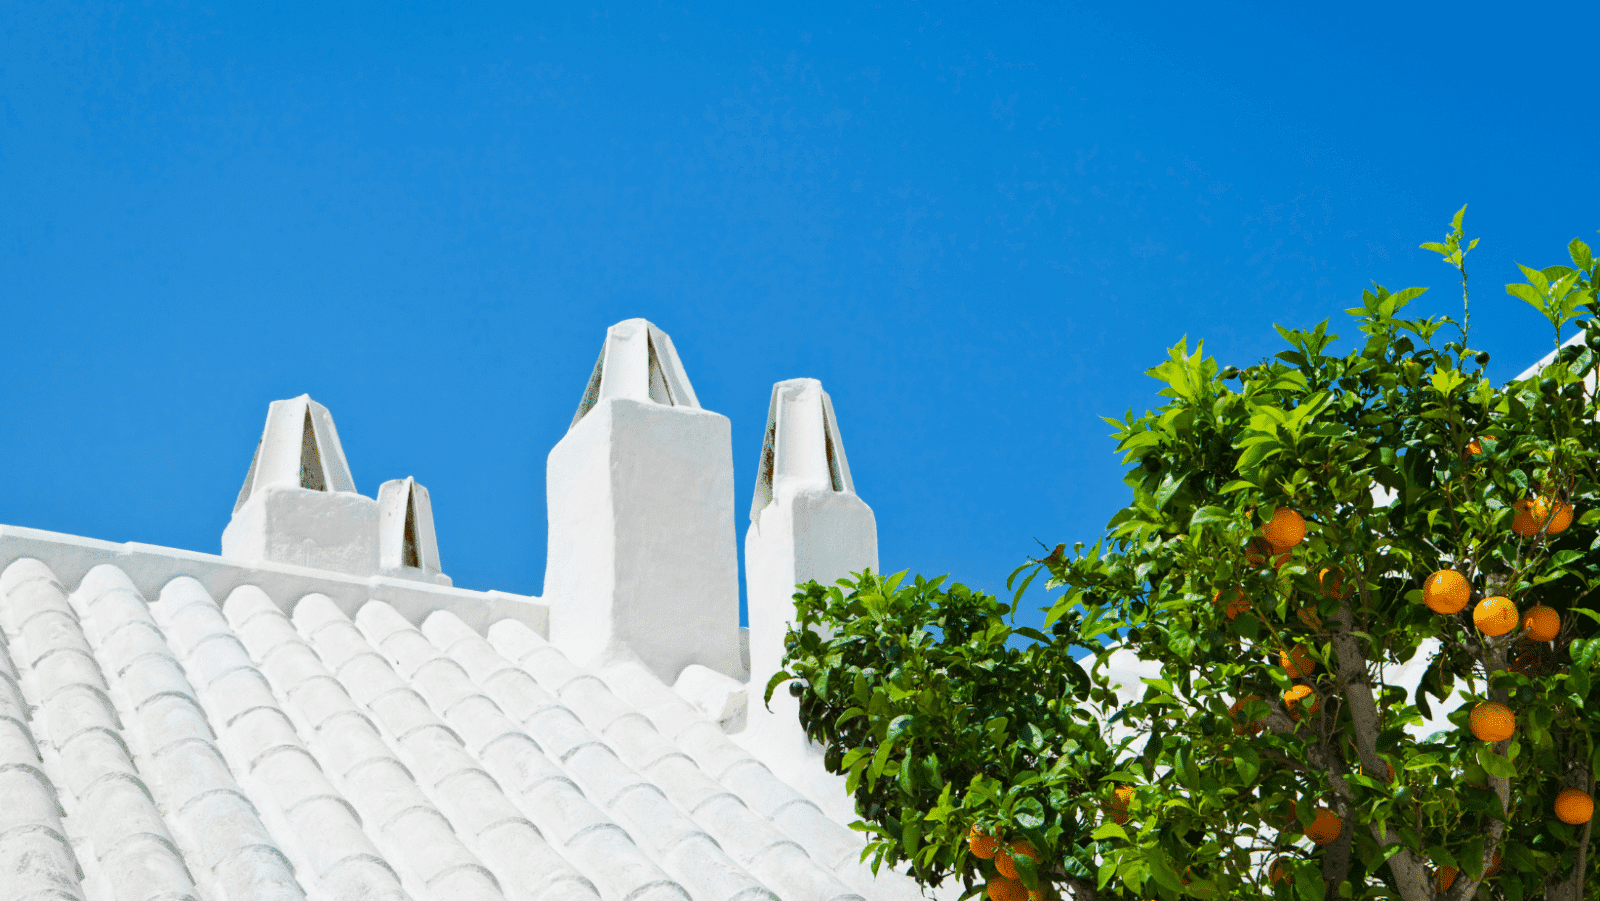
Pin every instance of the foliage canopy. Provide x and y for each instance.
(1403, 459)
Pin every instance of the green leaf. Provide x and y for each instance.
(1581, 257)
(1495, 764)
(1109, 830)
(778, 678)
(1248, 764)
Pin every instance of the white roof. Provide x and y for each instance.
(176, 725)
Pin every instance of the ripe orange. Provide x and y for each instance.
(1239, 604)
(1233, 711)
(1286, 529)
(1121, 797)
(1492, 722)
(1541, 623)
(1447, 878)
(1297, 662)
(1258, 551)
(982, 845)
(1560, 518)
(1003, 860)
(1002, 889)
(1446, 592)
(1530, 516)
(1333, 583)
(1326, 828)
(1573, 807)
(1473, 447)
(1279, 871)
(1495, 616)
(1298, 697)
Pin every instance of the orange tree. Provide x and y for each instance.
(1305, 536)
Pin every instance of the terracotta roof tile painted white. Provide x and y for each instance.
(196, 747)
(318, 713)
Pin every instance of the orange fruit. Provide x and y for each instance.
(1279, 871)
(982, 845)
(1260, 549)
(1473, 447)
(1541, 623)
(1573, 807)
(1006, 865)
(1326, 828)
(1446, 592)
(1447, 878)
(1121, 797)
(1002, 889)
(1297, 662)
(1239, 604)
(1298, 697)
(1492, 722)
(1233, 711)
(1332, 581)
(1560, 518)
(1285, 530)
(1530, 516)
(1495, 616)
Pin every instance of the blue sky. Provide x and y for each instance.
(977, 224)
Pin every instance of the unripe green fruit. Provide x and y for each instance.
(1483, 358)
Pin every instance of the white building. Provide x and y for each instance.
(318, 713)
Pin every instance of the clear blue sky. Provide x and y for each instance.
(977, 224)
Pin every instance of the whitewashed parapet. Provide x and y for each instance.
(151, 567)
(642, 560)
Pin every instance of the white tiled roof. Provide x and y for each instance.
(160, 743)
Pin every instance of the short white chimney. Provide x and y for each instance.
(642, 559)
(407, 546)
(299, 503)
(806, 522)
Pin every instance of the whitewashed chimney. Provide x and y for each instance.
(806, 522)
(642, 557)
(299, 503)
(407, 546)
